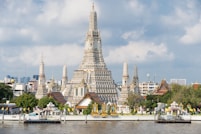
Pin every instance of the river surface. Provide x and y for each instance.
(100, 127)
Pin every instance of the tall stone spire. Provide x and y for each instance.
(93, 19)
(41, 91)
(125, 85)
(93, 69)
(64, 78)
(125, 76)
(135, 81)
(93, 47)
(41, 72)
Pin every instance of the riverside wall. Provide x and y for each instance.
(90, 118)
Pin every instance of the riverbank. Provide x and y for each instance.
(90, 118)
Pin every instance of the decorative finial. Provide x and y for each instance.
(93, 6)
(41, 58)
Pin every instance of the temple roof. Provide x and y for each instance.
(58, 97)
(162, 89)
(91, 95)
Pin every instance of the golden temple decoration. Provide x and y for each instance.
(113, 110)
(94, 110)
(104, 111)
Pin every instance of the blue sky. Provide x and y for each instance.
(161, 37)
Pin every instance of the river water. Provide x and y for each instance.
(100, 127)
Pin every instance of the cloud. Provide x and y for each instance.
(139, 52)
(69, 54)
(42, 22)
(192, 34)
(133, 35)
(136, 7)
(64, 12)
(178, 17)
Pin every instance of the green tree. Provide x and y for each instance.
(27, 101)
(151, 102)
(88, 110)
(134, 100)
(42, 103)
(5, 92)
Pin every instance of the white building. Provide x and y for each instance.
(178, 81)
(147, 88)
(19, 89)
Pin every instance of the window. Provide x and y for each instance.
(76, 92)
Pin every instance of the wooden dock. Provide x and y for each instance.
(173, 121)
(42, 121)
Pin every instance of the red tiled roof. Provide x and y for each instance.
(162, 89)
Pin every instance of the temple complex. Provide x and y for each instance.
(92, 74)
(127, 86)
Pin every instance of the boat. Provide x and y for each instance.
(38, 118)
(172, 119)
(42, 121)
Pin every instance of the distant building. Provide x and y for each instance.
(196, 85)
(32, 86)
(10, 79)
(178, 81)
(19, 89)
(24, 80)
(147, 88)
(35, 77)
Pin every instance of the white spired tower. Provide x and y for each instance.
(41, 91)
(92, 71)
(125, 85)
(64, 78)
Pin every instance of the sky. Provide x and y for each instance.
(161, 37)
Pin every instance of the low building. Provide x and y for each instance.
(147, 88)
(88, 99)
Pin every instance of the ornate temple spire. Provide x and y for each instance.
(41, 71)
(93, 19)
(93, 47)
(93, 69)
(64, 78)
(125, 85)
(41, 90)
(64, 71)
(125, 76)
(41, 68)
(135, 72)
(135, 81)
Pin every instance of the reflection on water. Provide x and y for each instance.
(100, 127)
